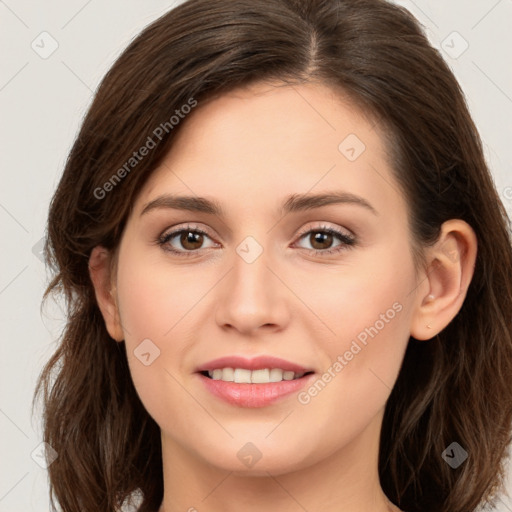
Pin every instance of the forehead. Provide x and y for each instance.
(265, 140)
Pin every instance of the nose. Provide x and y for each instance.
(251, 297)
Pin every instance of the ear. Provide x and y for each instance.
(450, 267)
(103, 280)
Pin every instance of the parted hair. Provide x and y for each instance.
(455, 387)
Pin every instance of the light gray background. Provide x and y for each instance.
(42, 102)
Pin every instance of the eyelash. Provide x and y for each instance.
(347, 241)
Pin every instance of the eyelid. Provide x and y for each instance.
(325, 227)
(187, 226)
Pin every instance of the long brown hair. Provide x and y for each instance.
(453, 388)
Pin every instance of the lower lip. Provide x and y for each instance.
(254, 395)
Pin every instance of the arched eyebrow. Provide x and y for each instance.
(293, 203)
(302, 202)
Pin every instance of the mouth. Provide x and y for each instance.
(256, 382)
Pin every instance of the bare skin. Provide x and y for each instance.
(250, 150)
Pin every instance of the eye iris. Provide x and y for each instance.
(189, 237)
(321, 237)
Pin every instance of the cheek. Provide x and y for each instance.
(163, 307)
(368, 311)
(154, 304)
(155, 298)
(365, 299)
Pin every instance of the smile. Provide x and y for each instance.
(253, 382)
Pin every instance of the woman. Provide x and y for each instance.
(288, 273)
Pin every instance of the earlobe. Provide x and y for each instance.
(450, 268)
(104, 288)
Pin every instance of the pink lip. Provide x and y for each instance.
(255, 363)
(253, 395)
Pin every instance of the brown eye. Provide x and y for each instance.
(327, 240)
(191, 240)
(321, 240)
(186, 241)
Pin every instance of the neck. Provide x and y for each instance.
(344, 480)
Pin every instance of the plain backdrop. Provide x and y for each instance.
(54, 54)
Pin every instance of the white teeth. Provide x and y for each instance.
(217, 374)
(276, 375)
(260, 376)
(227, 374)
(243, 376)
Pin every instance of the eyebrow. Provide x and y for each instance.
(294, 203)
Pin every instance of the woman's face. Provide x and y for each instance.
(327, 285)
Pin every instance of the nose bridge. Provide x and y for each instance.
(250, 281)
(251, 296)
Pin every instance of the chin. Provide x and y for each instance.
(257, 458)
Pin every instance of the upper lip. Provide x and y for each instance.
(253, 363)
